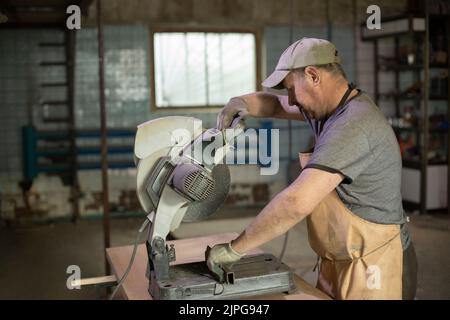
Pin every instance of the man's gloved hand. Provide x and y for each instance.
(236, 107)
(219, 255)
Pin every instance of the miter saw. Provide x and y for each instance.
(181, 177)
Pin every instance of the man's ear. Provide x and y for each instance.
(313, 75)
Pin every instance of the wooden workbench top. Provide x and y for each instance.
(135, 286)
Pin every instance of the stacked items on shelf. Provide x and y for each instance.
(411, 48)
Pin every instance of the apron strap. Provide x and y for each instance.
(317, 264)
(351, 86)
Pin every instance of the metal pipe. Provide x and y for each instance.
(425, 121)
(355, 40)
(205, 43)
(448, 119)
(376, 87)
(70, 79)
(329, 24)
(103, 134)
(291, 40)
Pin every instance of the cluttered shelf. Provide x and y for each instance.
(409, 131)
(411, 71)
(410, 121)
(405, 96)
(395, 66)
(416, 163)
(438, 130)
(410, 148)
(438, 89)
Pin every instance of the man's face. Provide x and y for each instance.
(303, 94)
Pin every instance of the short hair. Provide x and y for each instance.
(334, 68)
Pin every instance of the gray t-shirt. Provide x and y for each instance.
(357, 141)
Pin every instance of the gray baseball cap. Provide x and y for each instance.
(302, 53)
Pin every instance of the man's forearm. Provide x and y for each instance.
(288, 208)
(260, 104)
(267, 105)
(276, 218)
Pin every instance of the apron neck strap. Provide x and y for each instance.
(350, 88)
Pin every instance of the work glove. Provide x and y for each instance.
(234, 111)
(221, 254)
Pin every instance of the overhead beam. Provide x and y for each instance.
(35, 14)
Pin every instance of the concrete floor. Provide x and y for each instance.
(34, 259)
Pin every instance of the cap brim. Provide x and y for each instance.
(275, 79)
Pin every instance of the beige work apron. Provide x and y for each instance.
(359, 259)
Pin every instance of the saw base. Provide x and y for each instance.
(251, 276)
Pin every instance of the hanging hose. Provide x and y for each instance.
(133, 255)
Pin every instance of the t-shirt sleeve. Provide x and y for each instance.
(342, 148)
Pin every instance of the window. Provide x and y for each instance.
(202, 69)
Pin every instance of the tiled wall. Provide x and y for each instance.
(20, 75)
(127, 100)
(126, 77)
(20, 96)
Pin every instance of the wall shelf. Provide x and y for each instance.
(424, 41)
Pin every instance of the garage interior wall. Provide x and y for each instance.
(127, 32)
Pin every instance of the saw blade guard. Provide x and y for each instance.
(177, 153)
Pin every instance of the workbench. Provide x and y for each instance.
(135, 286)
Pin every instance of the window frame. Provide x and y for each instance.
(199, 108)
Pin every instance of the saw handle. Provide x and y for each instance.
(238, 121)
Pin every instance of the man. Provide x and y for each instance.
(349, 188)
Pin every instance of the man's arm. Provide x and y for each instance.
(258, 105)
(267, 105)
(288, 208)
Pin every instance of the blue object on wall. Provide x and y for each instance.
(32, 153)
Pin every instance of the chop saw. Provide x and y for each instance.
(181, 178)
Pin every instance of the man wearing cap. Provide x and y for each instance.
(349, 187)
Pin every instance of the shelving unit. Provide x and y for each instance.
(421, 48)
(38, 159)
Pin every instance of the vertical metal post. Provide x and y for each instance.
(70, 79)
(448, 119)
(205, 43)
(355, 40)
(425, 122)
(397, 78)
(104, 147)
(329, 25)
(376, 68)
(291, 40)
